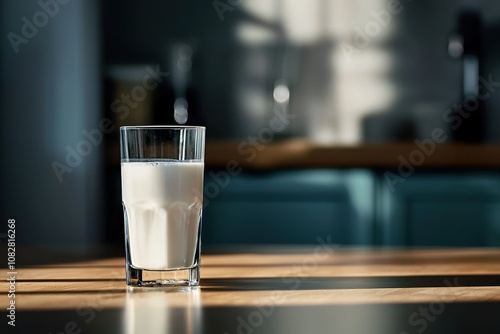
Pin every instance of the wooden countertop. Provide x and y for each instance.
(303, 154)
(309, 290)
(296, 153)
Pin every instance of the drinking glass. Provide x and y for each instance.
(162, 194)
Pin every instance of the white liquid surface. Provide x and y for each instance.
(163, 202)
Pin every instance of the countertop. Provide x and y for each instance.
(320, 289)
(300, 154)
(304, 154)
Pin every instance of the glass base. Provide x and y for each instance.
(163, 278)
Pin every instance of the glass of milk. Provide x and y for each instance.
(162, 194)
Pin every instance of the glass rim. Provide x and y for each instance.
(161, 127)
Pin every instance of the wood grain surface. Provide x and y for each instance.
(314, 277)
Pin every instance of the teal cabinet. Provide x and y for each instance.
(290, 207)
(353, 207)
(438, 209)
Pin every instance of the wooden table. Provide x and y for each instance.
(322, 289)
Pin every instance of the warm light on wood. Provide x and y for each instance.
(280, 278)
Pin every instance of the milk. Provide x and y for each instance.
(162, 202)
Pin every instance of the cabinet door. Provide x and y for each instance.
(291, 207)
(461, 209)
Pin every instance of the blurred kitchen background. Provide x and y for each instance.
(361, 76)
